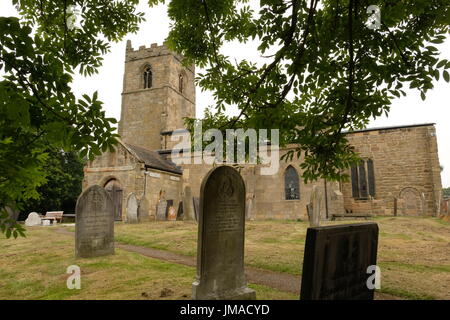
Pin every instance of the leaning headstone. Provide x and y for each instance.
(314, 207)
(336, 262)
(143, 209)
(220, 252)
(132, 209)
(33, 220)
(94, 223)
(161, 210)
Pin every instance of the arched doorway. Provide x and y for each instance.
(115, 190)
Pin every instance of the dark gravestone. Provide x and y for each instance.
(196, 203)
(220, 252)
(94, 224)
(180, 212)
(336, 261)
(170, 209)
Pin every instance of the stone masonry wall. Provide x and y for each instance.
(148, 112)
(406, 167)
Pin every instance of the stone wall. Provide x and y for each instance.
(406, 168)
(132, 176)
(160, 183)
(267, 192)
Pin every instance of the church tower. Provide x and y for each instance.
(158, 92)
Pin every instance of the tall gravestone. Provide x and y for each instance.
(132, 209)
(336, 262)
(94, 224)
(161, 210)
(196, 205)
(314, 207)
(188, 205)
(143, 209)
(220, 253)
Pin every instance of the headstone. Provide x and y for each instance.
(336, 261)
(94, 223)
(143, 209)
(169, 204)
(132, 209)
(46, 222)
(220, 252)
(315, 207)
(180, 212)
(188, 204)
(161, 210)
(196, 205)
(248, 208)
(33, 220)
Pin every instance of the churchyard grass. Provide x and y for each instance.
(413, 253)
(35, 268)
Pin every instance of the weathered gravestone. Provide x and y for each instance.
(248, 208)
(143, 209)
(220, 253)
(161, 210)
(196, 205)
(188, 205)
(336, 261)
(33, 220)
(132, 209)
(94, 223)
(314, 207)
(180, 212)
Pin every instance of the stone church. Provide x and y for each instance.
(400, 174)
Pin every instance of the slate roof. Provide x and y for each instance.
(153, 159)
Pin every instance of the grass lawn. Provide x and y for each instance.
(35, 268)
(413, 254)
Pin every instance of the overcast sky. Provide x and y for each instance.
(108, 83)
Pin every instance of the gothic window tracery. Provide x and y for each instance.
(291, 184)
(148, 77)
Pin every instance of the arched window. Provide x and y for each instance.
(363, 180)
(148, 78)
(291, 184)
(181, 83)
